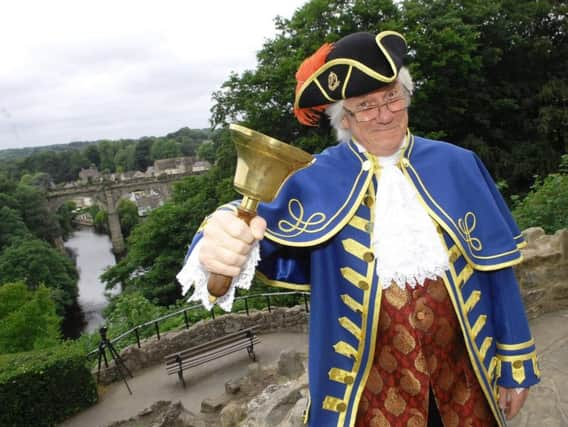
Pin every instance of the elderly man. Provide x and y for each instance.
(406, 246)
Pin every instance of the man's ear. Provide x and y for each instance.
(345, 122)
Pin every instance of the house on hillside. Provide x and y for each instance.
(90, 174)
(201, 166)
(173, 166)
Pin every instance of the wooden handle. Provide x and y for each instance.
(219, 284)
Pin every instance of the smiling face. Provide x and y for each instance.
(383, 134)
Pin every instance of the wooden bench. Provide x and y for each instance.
(219, 347)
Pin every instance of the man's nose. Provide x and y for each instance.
(384, 115)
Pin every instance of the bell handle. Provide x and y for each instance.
(219, 284)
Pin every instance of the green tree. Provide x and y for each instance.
(92, 154)
(12, 227)
(32, 205)
(100, 220)
(206, 151)
(164, 149)
(128, 215)
(28, 319)
(65, 215)
(34, 263)
(546, 205)
(129, 309)
(142, 157)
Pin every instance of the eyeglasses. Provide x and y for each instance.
(371, 112)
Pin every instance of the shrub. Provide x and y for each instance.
(546, 205)
(43, 388)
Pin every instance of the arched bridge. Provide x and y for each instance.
(107, 194)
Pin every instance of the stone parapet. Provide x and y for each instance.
(153, 351)
(543, 274)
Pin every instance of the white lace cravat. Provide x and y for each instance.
(406, 244)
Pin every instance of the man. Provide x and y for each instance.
(406, 246)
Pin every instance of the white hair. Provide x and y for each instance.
(335, 111)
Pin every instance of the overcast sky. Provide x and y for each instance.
(108, 69)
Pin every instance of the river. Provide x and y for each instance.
(93, 255)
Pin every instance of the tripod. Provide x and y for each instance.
(119, 363)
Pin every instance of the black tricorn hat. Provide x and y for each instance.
(354, 65)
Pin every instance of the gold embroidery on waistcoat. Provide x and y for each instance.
(341, 376)
(351, 303)
(479, 324)
(420, 363)
(394, 403)
(409, 383)
(345, 349)
(355, 278)
(484, 347)
(461, 393)
(332, 403)
(403, 341)
(358, 250)
(386, 360)
(396, 296)
(374, 381)
(347, 324)
(378, 419)
(472, 300)
(437, 290)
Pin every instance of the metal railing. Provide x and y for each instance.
(156, 322)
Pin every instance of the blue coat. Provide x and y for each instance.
(319, 239)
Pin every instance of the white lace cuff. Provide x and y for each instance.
(194, 274)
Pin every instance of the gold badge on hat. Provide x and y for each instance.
(333, 81)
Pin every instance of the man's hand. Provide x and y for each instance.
(511, 402)
(227, 242)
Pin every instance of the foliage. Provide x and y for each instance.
(32, 205)
(128, 215)
(28, 320)
(34, 262)
(546, 205)
(100, 219)
(129, 309)
(12, 227)
(65, 214)
(165, 149)
(43, 388)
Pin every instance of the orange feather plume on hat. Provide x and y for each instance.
(310, 115)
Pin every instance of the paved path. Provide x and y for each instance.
(208, 380)
(547, 405)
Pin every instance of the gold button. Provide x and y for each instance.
(369, 256)
(348, 379)
(368, 201)
(363, 284)
(341, 406)
(517, 364)
(420, 315)
(369, 227)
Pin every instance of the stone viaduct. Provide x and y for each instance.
(107, 194)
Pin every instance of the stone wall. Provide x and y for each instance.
(543, 275)
(153, 351)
